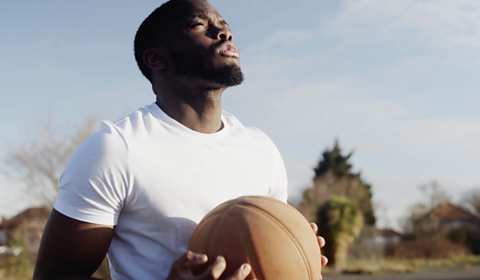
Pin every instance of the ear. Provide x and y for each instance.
(154, 59)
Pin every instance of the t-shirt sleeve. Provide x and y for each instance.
(279, 189)
(94, 185)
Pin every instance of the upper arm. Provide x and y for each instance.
(71, 247)
(94, 185)
(92, 191)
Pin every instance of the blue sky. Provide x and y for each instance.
(395, 81)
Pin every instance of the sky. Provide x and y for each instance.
(396, 82)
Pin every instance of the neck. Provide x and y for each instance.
(199, 109)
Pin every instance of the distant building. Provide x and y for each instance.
(388, 236)
(28, 225)
(446, 218)
(454, 217)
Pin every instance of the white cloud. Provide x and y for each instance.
(284, 37)
(440, 24)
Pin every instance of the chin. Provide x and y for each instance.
(217, 73)
(227, 76)
(219, 77)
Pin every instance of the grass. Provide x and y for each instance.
(405, 265)
(21, 268)
(16, 268)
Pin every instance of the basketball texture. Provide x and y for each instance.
(272, 236)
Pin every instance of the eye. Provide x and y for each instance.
(195, 24)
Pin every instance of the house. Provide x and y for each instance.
(26, 226)
(454, 217)
(373, 243)
(445, 218)
(389, 236)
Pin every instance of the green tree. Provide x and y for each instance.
(334, 177)
(339, 220)
(335, 162)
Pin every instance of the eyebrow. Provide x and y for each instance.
(205, 16)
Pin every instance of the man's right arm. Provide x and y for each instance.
(71, 249)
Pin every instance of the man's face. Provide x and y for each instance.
(202, 46)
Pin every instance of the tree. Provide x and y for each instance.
(334, 177)
(421, 216)
(38, 162)
(339, 220)
(471, 199)
(430, 230)
(334, 162)
(436, 195)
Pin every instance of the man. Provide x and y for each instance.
(138, 187)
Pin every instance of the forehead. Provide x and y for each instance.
(198, 8)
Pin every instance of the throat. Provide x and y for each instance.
(202, 117)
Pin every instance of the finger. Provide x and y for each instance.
(241, 273)
(190, 259)
(314, 227)
(324, 260)
(321, 241)
(215, 270)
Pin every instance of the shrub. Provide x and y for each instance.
(339, 221)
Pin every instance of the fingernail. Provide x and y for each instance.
(246, 268)
(220, 259)
(195, 256)
(201, 257)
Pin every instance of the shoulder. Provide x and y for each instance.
(109, 138)
(132, 123)
(112, 140)
(120, 133)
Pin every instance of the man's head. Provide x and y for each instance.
(190, 38)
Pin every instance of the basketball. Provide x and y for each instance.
(272, 236)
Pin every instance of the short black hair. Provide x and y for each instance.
(154, 30)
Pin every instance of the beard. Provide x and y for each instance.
(200, 69)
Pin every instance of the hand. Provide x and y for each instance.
(181, 268)
(321, 242)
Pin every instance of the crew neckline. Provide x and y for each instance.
(179, 128)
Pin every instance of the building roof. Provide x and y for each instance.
(29, 214)
(451, 212)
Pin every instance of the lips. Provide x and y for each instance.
(229, 50)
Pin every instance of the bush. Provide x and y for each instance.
(427, 247)
(467, 237)
(16, 264)
(339, 222)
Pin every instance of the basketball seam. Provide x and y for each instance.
(289, 234)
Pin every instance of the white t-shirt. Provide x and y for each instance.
(154, 179)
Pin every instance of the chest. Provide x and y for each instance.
(183, 179)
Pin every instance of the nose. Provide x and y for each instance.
(224, 34)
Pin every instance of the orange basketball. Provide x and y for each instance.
(272, 236)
